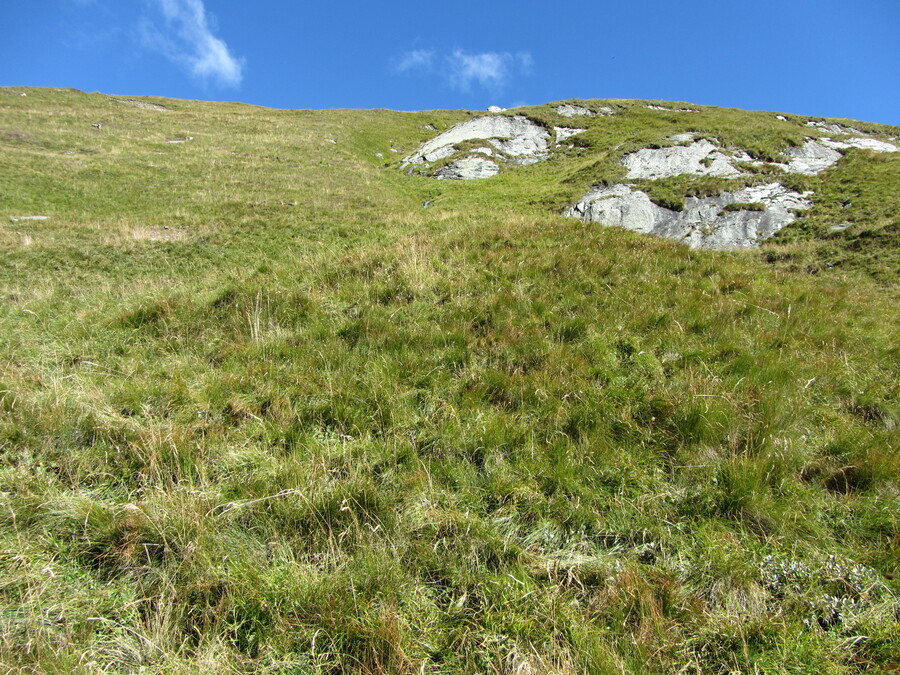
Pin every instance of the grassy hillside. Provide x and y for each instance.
(260, 411)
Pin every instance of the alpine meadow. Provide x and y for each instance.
(276, 399)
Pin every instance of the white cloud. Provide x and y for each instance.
(464, 70)
(418, 60)
(187, 39)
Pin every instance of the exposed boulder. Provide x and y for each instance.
(739, 219)
(701, 158)
(569, 110)
(515, 140)
(468, 168)
(520, 136)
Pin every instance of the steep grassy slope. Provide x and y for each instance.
(260, 411)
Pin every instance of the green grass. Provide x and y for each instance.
(262, 412)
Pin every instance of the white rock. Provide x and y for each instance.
(835, 128)
(863, 143)
(781, 117)
(659, 107)
(468, 168)
(810, 158)
(496, 109)
(439, 153)
(701, 158)
(16, 219)
(702, 223)
(526, 147)
(522, 135)
(569, 110)
(562, 133)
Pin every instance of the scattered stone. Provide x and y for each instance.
(484, 151)
(840, 227)
(781, 117)
(331, 140)
(563, 133)
(180, 140)
(16, 219)
(468, 168)
(430, 127)
(700, 158)
(97, 126)
(569, 110)
(703, 223)
(379, 155)
(496, 109)
(23, 94)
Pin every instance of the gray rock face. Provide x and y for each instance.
(703, 223)
(834, 128)
(700, 158)
(569, 110)
(468, 168)
(810, 158)
(816, 155)
(515, 140)
(521, 136)
(864, 143)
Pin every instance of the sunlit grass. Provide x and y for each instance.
(260, 411)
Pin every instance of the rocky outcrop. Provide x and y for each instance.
(739, 219)
(468, 168)
(700, 158)
(664, 109)
(515, 140)
(569, 110)
(810, 158)
(818, 154)
(834, 128)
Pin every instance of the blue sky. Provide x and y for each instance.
(822, 58)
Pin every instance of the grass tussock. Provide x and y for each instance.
(260, 411)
